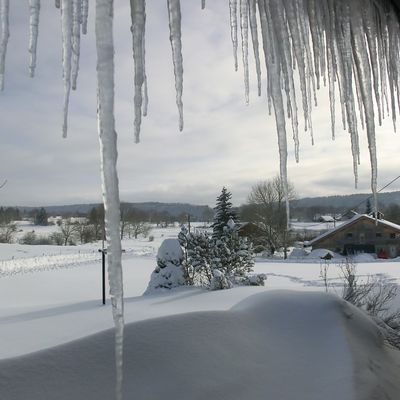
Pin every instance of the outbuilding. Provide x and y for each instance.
(361, 234)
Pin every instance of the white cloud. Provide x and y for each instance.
(223, 143)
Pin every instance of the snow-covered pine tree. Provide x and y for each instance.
(223, 213)
(233, 255)
(197, 249)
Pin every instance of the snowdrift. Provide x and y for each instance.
(273, 345)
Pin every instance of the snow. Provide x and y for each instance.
(267, 340)
(187, 340)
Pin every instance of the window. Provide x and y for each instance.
(392, 236)
(349, 235)
(378, 234)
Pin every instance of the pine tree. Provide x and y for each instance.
(223, 213)
(368, 208)
(41, 217)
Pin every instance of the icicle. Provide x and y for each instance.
(144, 87)
(274, 77)
(370, 29)
(138, 15)
(244, 29)
(233, 18)
(34, 10)
(108, 149)
(66, 21)
(254, 36)
(281, 54)
(174, 13)
(203, 4)
(5, 34)
(85, 14)
(364, 78)
(57, 3)
(76, 39)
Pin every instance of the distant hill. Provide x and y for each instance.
(346, 201)
(197, 212)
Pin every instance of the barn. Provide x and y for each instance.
(361, 234)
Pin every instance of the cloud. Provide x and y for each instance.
(224, 142)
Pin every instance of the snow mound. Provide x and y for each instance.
(321, 253)
(169, 273)
(298, 253)
(273, 345)
(364, 257)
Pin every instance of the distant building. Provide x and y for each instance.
(361, 234)
(250, 230)
(326, 218)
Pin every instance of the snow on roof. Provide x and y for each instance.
(327, 218)
(350, 222)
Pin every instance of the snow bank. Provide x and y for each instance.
(274, 345)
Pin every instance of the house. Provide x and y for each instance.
(250, 230)
(361, 234)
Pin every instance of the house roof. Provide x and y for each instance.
(352, 221)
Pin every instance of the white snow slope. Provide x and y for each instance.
(56, 340)
(274, 345)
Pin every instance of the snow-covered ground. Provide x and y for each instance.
(287, 340)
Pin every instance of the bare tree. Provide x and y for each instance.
(68, 229)
(267, 209)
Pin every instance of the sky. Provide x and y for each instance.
(224, 142)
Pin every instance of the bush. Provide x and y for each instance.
(7, 232)
(168, 273)
(216, 262)
(57, 238)
(375, 298)
(28, 238)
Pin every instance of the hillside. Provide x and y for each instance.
(197, 212)
(347, 201)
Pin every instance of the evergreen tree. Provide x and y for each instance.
(41, 217)
(223, 213)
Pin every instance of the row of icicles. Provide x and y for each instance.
(351, 46)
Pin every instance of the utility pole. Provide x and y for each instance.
(188, 217)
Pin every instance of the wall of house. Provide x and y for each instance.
(364, 237)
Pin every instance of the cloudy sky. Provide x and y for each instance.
(224, 142)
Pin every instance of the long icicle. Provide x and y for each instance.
(76, 39)
(66, 22)
(254, 37)
(234, 35)
(244, 30)
(174, 14)
(108, 150)
(34, 11)
(85, 14)
(138, 16)
(364, 78)
(5, 34)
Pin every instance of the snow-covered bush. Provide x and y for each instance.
(7, 232)
(252, 280)
(216, 262)
(219, 281)
(169, 271)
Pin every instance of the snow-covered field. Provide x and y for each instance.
(287, 340)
